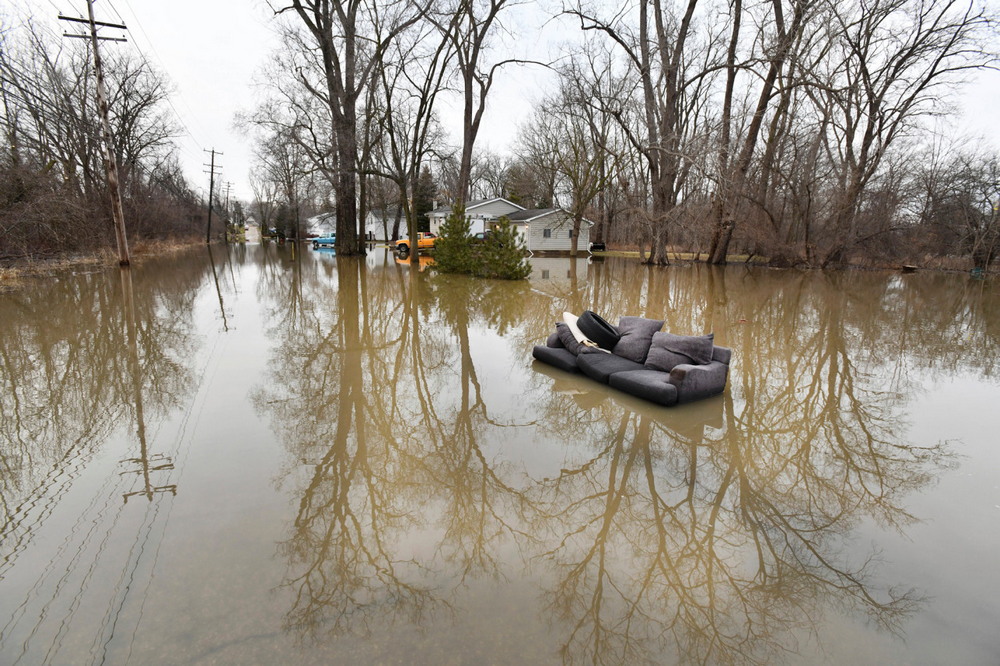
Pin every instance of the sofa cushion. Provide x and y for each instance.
(647, 384)
(601, 366)
(597, 329)
(694, 382)
(637, 333)
(668, 350)
(558, 357)
(554, 341)
(567, 338)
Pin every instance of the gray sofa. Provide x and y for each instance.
(661, 367)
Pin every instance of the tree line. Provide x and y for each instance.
(54, 197)
(800, 131)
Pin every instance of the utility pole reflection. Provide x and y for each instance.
(147, 463)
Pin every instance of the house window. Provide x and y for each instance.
(545, 275)
(570, 234)
(546, 233)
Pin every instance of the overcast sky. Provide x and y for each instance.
(211, 50)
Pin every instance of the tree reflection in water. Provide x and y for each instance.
(343, 566)
(716, 532)
(393, 414)
(725, 547)
(68, 379)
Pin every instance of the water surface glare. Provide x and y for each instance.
(245, 456)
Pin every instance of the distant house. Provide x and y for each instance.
(550, 230)
(379, 221)
(324, 224)
(482, 214)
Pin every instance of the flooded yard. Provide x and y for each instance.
(250, 457)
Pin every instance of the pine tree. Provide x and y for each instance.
(453, 247)
(423, 198)
(503, 255)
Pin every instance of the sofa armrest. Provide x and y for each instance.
(699, 381)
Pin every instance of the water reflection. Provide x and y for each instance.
(87, 361)
(79, 357)
(717, 532)
(737, 539)
(422, 466)
(722, 547)
(396, 413)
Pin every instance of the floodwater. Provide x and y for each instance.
(254, 458)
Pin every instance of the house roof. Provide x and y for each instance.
(534, 214)
(475, 203)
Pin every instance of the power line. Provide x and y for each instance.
(55, 7)
(135, 21)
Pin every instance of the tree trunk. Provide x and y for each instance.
(346, 187)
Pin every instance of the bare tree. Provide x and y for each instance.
(893, 57)
(961, 200)
(568, 137)
(733, 169)
(409, 83)
(53, 162)
(655, 51)
(475, 23)
(346, 39)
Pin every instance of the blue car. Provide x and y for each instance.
(324, 241)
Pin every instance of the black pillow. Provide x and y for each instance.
(668, 350)
(595, 328)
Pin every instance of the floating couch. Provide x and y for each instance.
(581, 392)
(639, 359)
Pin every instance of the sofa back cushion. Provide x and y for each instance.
(667, 350)
(636, 336)
(569, 340)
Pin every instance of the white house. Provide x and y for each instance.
(379, 221)
(550, 230)
(482, 214)
(325, 224)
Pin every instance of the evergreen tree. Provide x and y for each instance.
(423, 198)
(503, 255)
(453, 247)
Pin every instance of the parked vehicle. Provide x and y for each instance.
(424, 241)
(482, 237)
(324, 241)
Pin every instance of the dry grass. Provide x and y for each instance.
(13, 272)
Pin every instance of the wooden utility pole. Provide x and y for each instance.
(211, 193)
(110, 162)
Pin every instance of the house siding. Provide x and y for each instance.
(560, 225)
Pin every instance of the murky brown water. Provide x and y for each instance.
(255, 460)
